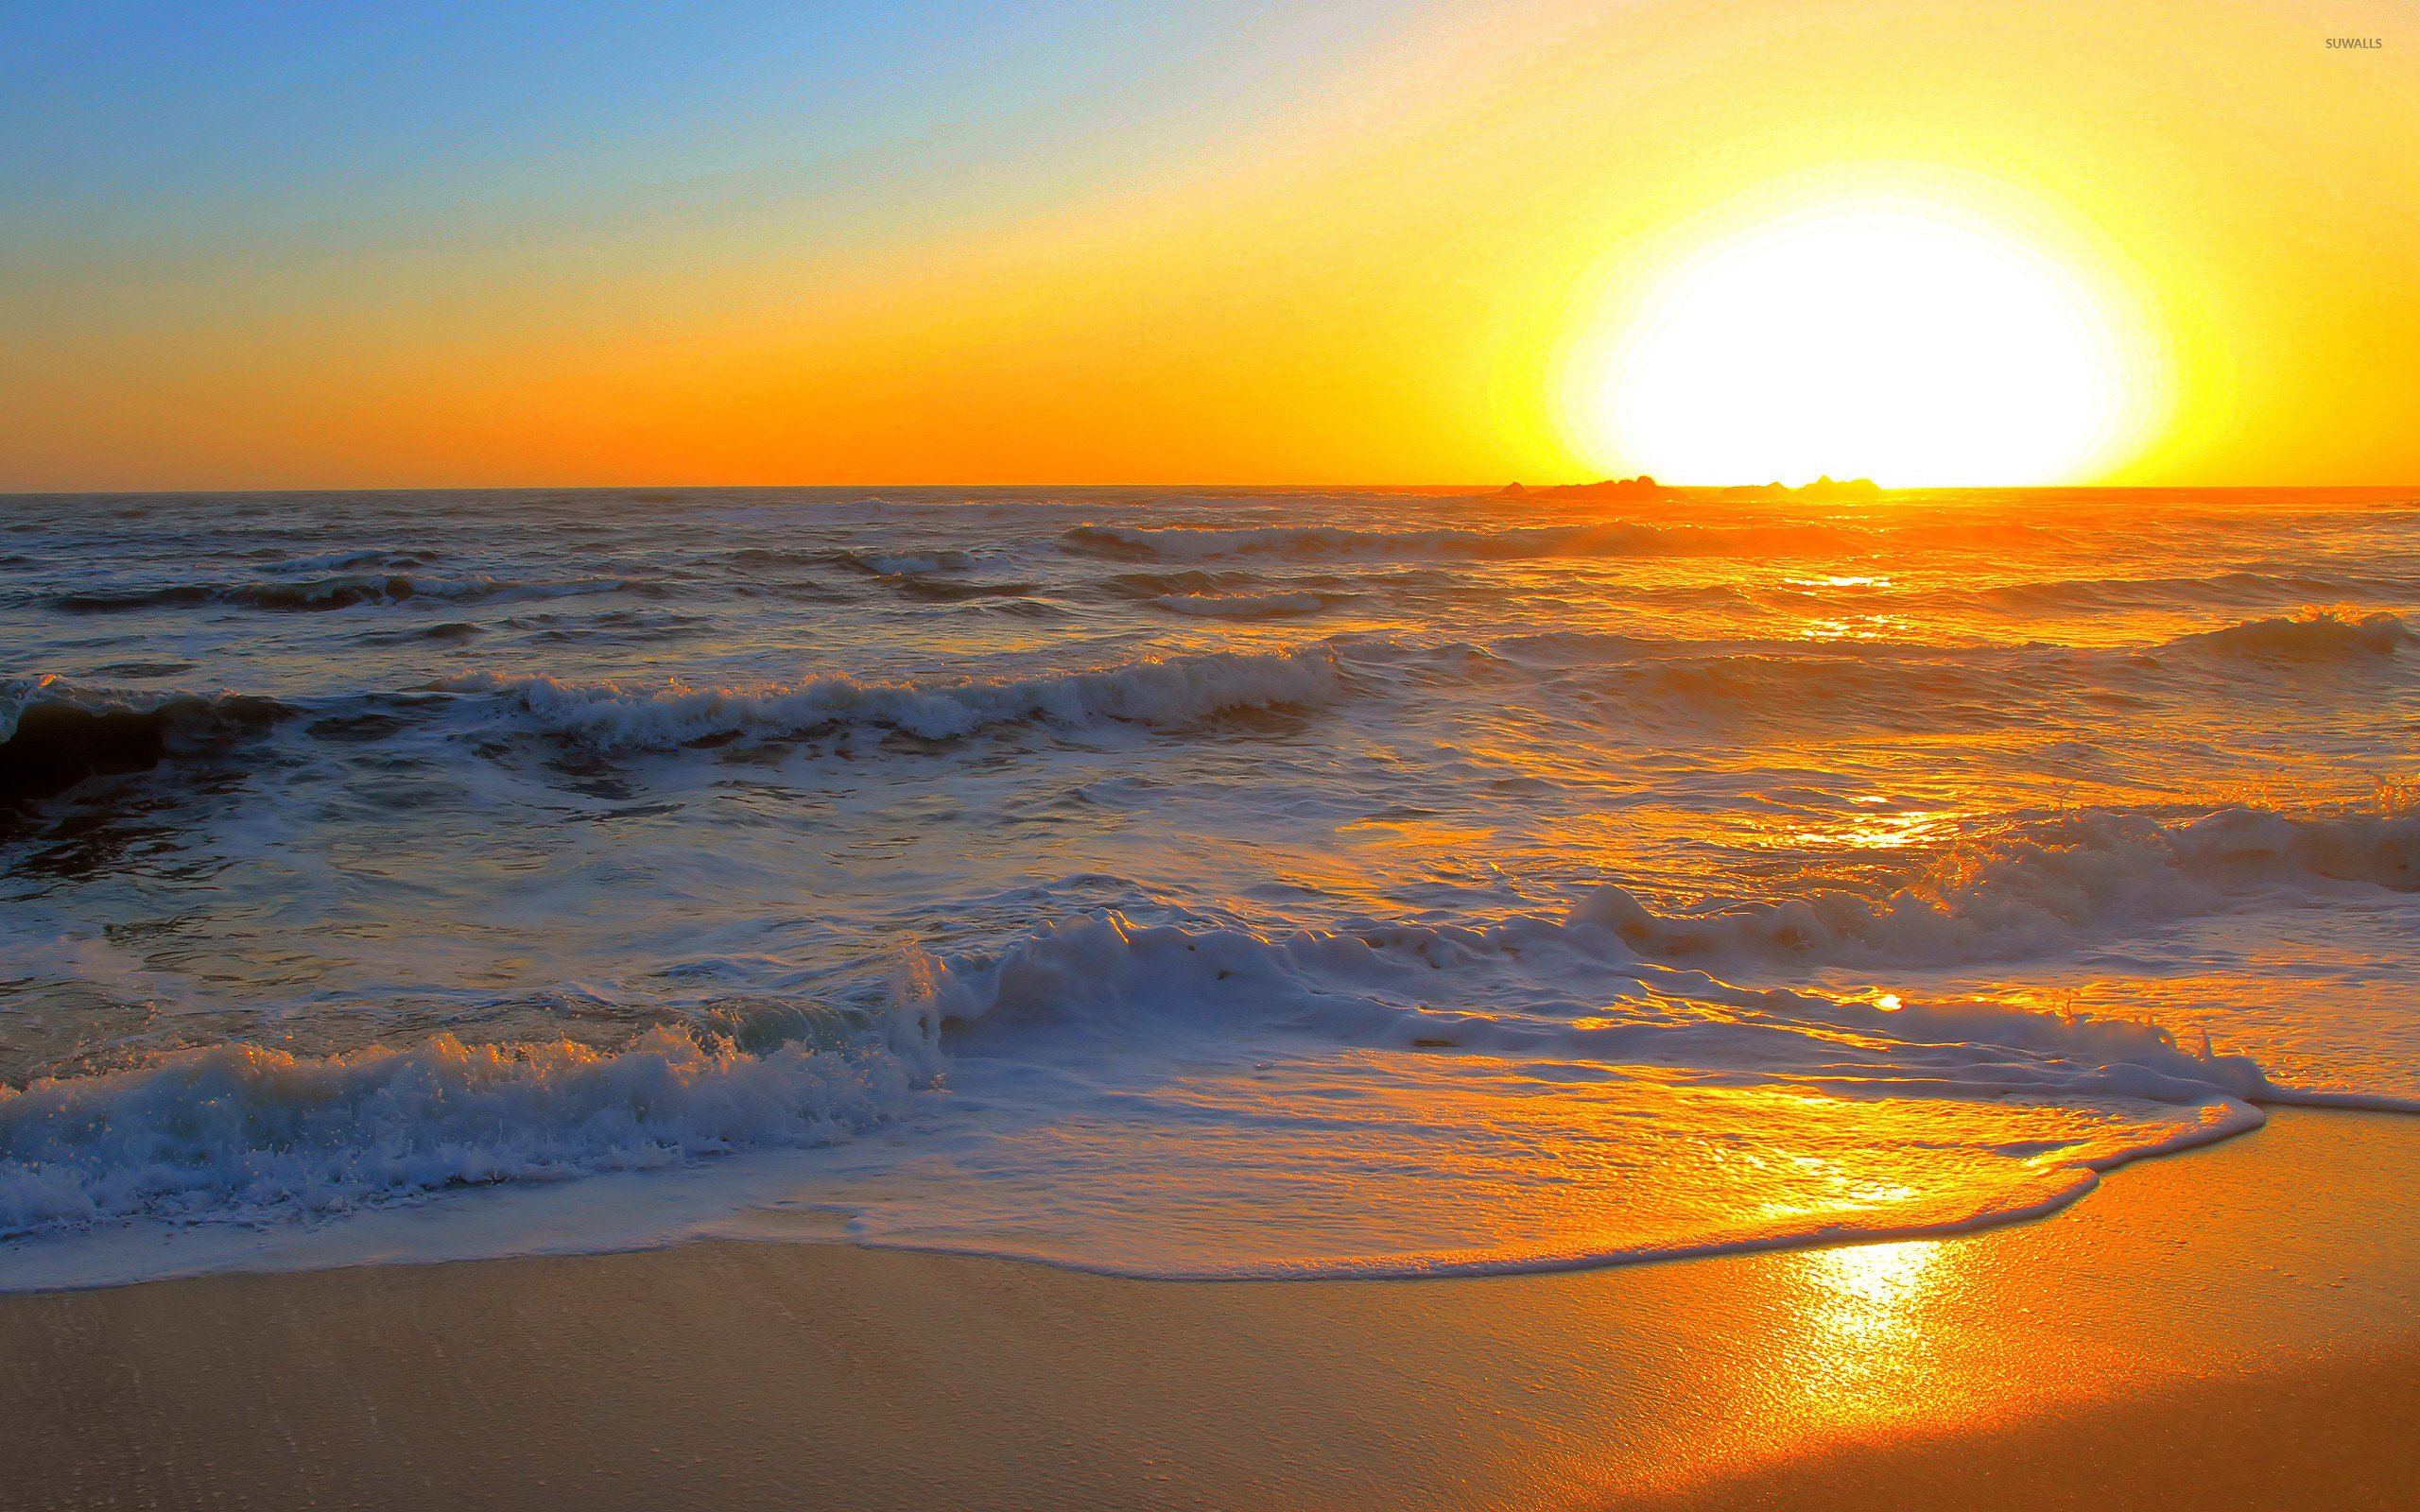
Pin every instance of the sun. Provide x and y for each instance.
(1880, 335)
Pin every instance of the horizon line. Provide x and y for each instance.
(1480, 490)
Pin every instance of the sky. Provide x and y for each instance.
(436, 245)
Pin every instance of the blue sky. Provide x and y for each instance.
(133, 124)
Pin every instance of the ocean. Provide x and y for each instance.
(1178, 883)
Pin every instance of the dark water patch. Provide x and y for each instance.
(627, 811)
(797, 591)
(143, 670)
(621, 627)
(941, 591)
(323, 593)
(119, 600)
(103, 842)
(587, 773)
(381, 557)
(1154, 585)
(449, 631)
(357, 728)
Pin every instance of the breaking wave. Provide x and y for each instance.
(241, 1133)
(244, 1133)
(1172, 692)
(2311, 636)
(54, 734)
(1374, 986)
(895, 563)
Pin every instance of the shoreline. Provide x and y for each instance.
(2266, 1286)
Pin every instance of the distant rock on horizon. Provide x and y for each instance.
(1641, 487)
(1825, 488)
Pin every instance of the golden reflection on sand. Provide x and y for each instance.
(1856, 1341)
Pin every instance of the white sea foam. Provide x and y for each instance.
(244, 1133)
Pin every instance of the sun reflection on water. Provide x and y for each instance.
(1877, 832)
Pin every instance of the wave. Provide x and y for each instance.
(1375, 987)
(898, 563)
(240, 1133)
(341, 592)
(2235, 589)
(1918, 685)
(1901, 687)
(1241, 606)
(946, 591)
(1187, 580)
(2314, 635)
(1173, 692)
(2025, 893)
(385, 559)
(54, 734)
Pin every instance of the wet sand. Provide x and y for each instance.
(2234, 1327)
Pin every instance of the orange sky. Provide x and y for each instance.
(1355, 258)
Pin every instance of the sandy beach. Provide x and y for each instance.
(2227, 1327)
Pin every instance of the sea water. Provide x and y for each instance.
(1178, 883)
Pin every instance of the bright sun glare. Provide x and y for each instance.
(1876, 338)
